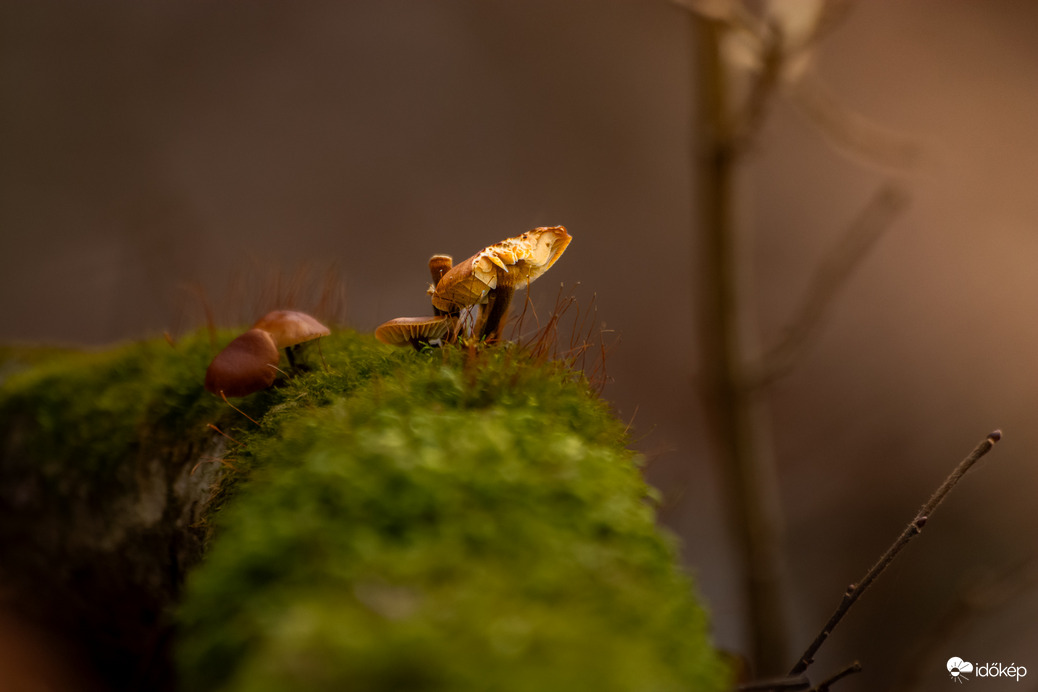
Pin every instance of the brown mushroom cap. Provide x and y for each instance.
(438, 266)
(244, 366)
(514, 262)
(289, 327)
(404, 331)
(462, 286)
(546, 244)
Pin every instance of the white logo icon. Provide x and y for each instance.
(958, 668)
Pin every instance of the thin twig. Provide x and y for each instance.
(222, 462)
(224, 397)
(855, 591)
(213, 427)
(783, 684)
(791, 683)
(829, 277)
(750, 118)
(829, 682)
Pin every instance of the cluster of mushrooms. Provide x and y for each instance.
(250, 362)
(488, 279)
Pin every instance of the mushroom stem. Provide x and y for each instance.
(294, 365)
(493, 314)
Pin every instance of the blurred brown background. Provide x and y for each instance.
(152, 153)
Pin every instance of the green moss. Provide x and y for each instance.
(443, 520)
(447, 522)
(84, 413)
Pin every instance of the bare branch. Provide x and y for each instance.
(738, 123)
(732, 13)
(751, 116)
(785, 684)
(736, 415)
(855, 591)
(829, 682)
(830, 276)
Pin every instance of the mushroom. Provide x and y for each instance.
(246, 365)
(416, 331)
(290, 329)
(491, 276)
(438, 266)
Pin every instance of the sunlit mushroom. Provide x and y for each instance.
(246, 365)
(416, 331)
(492, 275)
(290, 329)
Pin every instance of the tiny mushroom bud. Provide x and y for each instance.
(247, 364)
(438, 266)
(416, 331)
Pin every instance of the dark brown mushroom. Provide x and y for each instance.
(246, 365)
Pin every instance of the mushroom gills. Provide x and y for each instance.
(415, 331)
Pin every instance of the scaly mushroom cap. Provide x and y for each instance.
(534, 252)
(407, 330)
(246, 365)
(289, 327)
(513, 262)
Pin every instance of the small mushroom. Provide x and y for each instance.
(438, 266)
(246, 365)
(492, 275)
(463, 286)
(290, 329)
(416, 331)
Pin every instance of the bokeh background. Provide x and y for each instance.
(159, 159)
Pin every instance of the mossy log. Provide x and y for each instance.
(444, 520)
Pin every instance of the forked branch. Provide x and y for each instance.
(826, 684)
(855, 591)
